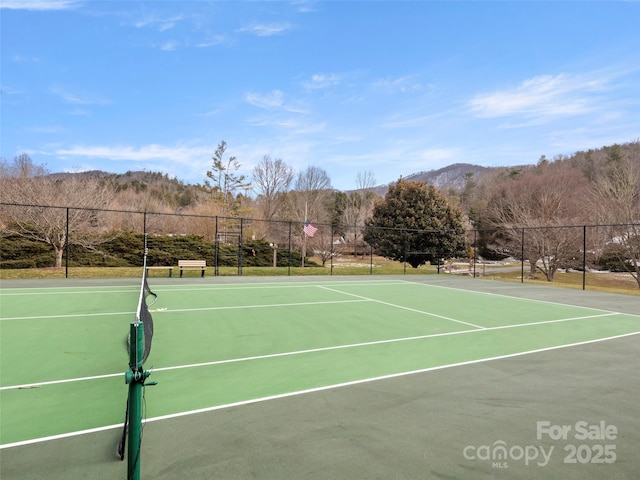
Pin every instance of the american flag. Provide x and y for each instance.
(309, 229)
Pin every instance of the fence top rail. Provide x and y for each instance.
(290, 222)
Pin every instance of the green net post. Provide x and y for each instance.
(135, 378)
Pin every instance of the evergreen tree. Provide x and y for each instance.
(224, 183)
(416, 224)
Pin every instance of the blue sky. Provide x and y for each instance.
(388, 87)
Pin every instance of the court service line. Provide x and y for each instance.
(402, 307)
(303, 352)
(312, 390)
(164, 287)
(242, 307)
(260, 286)
(182, 310)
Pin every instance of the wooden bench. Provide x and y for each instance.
(160, 268)
(192, 265)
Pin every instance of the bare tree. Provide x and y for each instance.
(536, 204)
(359, 206)
(34, 195)
(310, 194)
(616, 199)
(321, 244)
(365, 180)
(271, 180)
(21, 167)
(309, 199)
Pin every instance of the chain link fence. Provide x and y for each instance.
(38, 236)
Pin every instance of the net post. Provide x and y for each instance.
(135, 378)
(140, 336)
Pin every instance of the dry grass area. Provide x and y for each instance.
(605, 282)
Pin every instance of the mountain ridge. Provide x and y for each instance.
(450, 176)
(453, 176)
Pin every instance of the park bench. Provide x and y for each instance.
(192, 265)
(161, 268)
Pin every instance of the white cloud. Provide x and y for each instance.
(438, 155)
(210, 113)
(319, 81)
(267, 29)
(399, 121)
(541, 96)
(269, 101)
(180, 153)
(292, 126)
(39, 4)
(169, 46)
(79, 98)
(163, 27)
(23, 59)
(212, 41)
(274, 100)
(304, 6)
(404, 84)
(162, 24)
(186, 162)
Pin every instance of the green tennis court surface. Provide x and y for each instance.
(351, 377)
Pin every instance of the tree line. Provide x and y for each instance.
(592, 187)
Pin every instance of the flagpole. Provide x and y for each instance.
(304, 235)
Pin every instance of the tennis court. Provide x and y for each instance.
(328, 377)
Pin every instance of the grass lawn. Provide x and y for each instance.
(348, 265)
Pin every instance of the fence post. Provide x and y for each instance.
(240, 245)
(331, 252)
(522, 257)
(584, 257)
(370, 259)
(475, 237)
(216, 268)
(66, 260)
(289, 249)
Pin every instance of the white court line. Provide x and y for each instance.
(502, 295)
(68, 315)
(401, 307)
(302, 352)
(161, 287)
(243, 307)
(264, 286)
(310, 390)
(182, 310)
(69, 291)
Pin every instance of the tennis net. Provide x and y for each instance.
(143, 315)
